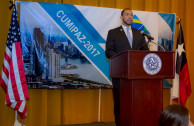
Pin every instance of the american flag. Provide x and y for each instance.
(181, 86)
(13, 80)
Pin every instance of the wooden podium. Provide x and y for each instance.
(141, 94)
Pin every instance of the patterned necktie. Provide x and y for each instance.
(129, 37)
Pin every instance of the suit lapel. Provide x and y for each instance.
(123, 35)
(134, 38)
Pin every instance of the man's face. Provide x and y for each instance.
(127, 18)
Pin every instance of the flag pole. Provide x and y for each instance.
(179, 23)
(171, 96)
(22, 122)
(16, 115)
(16, 123)
(99, 103)
(174, 91)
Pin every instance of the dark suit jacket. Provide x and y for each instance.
(117, 41)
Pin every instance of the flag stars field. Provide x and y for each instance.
(180, 49)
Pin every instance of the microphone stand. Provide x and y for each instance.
(149, 40)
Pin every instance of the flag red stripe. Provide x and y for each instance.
(7, 58)
(21, 69)
(3, 85)
(175, 99)
(23, 114)
(185, 87)
(5, 70)
(8, 102)
(18, 105)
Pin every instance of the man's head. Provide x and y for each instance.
(127, 17)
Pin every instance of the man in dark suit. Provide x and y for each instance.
(121, 39)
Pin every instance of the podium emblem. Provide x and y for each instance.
(152, 63)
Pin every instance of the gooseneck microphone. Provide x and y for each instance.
(151, 38)
(147, 35)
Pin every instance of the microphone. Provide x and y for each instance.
(151, 38)
(147, 35)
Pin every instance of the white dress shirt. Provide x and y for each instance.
(130, 30)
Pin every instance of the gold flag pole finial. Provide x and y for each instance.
(179, 21)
